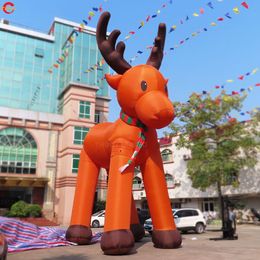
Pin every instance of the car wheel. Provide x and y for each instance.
(199, 228)
(95, 224)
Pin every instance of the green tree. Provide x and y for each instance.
(220, 145)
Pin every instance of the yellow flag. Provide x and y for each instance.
(194, 34)
(213, 24)
(195, 14)
(254, 71)
(236, 10)
(230, 80)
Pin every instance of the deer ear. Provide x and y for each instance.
(113, 80)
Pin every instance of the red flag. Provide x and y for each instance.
(220, 19)
(132, 32)
(241, 77)
(245, 5)
(235, 93)
(257, 84)
(148, 18)
(217, 86)
(232, 120)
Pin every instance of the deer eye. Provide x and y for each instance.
(166, 89)
(143, 85)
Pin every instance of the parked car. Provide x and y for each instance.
(98, 219)
(185, 219)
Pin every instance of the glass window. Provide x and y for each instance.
(137, 183)
(39, 53)
(184, 213)
(97, 116)
(208, 205)
(194, 212)
(84, 109)
(18, 151)
(80, 134)
(166, 155)
(75, 163)
(169, 180)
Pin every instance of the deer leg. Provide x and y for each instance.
(79, 230)
(136, 227)
(117, 238)
(165, 234)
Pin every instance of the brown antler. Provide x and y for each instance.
(156, 55)
(113, 56)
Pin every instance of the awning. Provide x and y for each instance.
(23, 181)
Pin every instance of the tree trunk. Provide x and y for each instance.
(221, 204)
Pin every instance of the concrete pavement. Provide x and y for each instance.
(198, 247)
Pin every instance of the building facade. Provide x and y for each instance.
(180, 189)
(46, 113)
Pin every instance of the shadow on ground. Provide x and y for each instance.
(67, 257)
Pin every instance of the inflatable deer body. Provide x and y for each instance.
(120, 146)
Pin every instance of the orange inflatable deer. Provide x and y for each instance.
(121, 146)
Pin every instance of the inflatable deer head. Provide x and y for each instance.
(141, 90)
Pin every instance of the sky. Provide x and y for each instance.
(223, 52)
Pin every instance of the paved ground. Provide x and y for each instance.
(198, 247)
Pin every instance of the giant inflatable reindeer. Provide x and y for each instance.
(121, 146)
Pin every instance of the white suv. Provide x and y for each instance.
(185, 219)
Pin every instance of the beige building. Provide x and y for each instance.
(48, 103)
(180, 188)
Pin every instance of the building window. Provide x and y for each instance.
(208, 205)
(18, 151)
(75, 163)
(169, 180)
(39, 53)
(80, 134)
(97, 116)
(137, 182)
(84, 109)
(167, 155)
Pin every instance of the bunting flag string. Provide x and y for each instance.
(65, 50)
(72, 37)
(218, 101)
(130, 34)
(146, 20)
(225, 17)
(35, 96)
(242, 91)
(239, 78)
(198, 13)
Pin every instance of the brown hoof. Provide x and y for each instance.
(117, 242)
(3, 248)
(166, 238)
(79, 234)
(138, 231)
